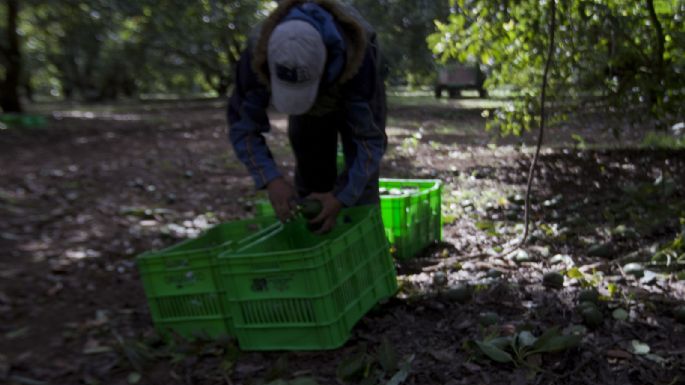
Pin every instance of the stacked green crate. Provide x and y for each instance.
(181, 282)
(295, 290)
(412, 214)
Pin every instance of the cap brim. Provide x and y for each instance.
(293, 100)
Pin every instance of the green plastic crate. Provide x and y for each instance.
(181, 282)
(263, 208)
(23, 120)
(414, 220)
(295, 290)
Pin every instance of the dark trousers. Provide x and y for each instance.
(314, 140)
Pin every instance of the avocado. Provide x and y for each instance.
(310, 208)
(553, 280)
(679, 314)
(585, 304)
(488, 318)
(588, 295)
(635, 269)
(460, 294)
(592, 316)
(440, 279)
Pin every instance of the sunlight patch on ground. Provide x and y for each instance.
(393, 131)
(88, 115)
(463, 104)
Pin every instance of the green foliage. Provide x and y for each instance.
(672, 253)
(586, 280)
(382, 367)
(608, 58)
(663, 141)
(206, 35)
(102, 49)
(402, 27)
(519, 348)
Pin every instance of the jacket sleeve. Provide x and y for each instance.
(365, 111)
(248, 121)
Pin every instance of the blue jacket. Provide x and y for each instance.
(353, 82)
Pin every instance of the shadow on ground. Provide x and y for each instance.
(82, 197)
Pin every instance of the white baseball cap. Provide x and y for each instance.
(297, 57)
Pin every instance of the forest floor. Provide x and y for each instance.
(82, 197)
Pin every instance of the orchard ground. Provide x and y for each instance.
(80, 198)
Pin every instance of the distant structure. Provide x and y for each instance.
(457, 77)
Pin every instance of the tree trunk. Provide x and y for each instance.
(656, 90)
(222, 87)
(9, 100)
(660, 39)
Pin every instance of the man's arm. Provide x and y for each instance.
(365, 99)
(248, 121)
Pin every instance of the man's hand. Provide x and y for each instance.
(329, 212)
(282, 196)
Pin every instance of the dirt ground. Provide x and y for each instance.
(101, 184)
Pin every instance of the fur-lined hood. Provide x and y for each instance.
(352, 28)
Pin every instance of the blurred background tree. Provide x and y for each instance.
(103, 50)
(613, 58)
(403, 27)
(10, 57)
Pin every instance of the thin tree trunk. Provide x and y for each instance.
(9, 101)
(660, 39)
(543, 117)
(656, 93)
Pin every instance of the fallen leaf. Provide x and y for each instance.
(534, 360)
(90, 380)
(401, 375)
(471, 367)
(278, 382)
(618, 353)
(134, 378)
(55, 289)
(351, 366)
(10, 273)
(303, 381)
(101, 318)
(639, 347)
(4, 367)
(526, 338)
(620, 314)
(18, 333)
(247, 369)
(656, 358)
(442, 355)
(16, 379)
(92, 346)
(387, 356)
(495, 353)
